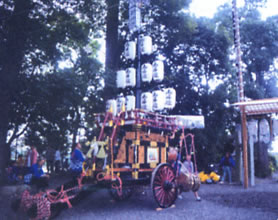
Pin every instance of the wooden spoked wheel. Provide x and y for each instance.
(163, 185)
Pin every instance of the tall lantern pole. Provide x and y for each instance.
(241, 89)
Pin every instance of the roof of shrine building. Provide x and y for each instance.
(260, 106)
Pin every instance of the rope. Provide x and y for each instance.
(102, 176)
(192, 148)
(40, 200)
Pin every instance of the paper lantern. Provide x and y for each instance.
(130, 102)
(146, 72)
(170, 98)
(147, 101)
(111, 105)
(239, 133)
(158, 100)
(146, 45)
(264, 131)
(121, 79)
(131, 77)
(158, 70)
(190, 121)
(130, 50)
(120, 104)
(253, 129)
(275, 127)
(134, 19)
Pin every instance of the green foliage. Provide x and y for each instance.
(36, 96)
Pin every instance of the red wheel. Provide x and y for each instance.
(164, 186)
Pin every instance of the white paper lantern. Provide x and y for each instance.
(264, 131)
(147, 101)
(130, 50)
(275, 127)
(131, 77)
(130, 102)
(190, 121)
(146, 72)
(120, 104)
(146, 45)
(158, 100)
(111, 105)
(121, 79)
(170, 98)
(158, 70)
(253, 129)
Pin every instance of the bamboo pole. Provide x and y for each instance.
(241, 89)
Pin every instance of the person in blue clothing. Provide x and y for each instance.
(39, 178)
(77, 159)
(227, 163)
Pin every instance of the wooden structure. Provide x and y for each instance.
(253, 108)
(132, 149)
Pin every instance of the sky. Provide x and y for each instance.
(207, 8)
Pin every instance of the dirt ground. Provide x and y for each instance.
(218, 202)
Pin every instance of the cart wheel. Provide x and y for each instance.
(126, 193)
(163, 185)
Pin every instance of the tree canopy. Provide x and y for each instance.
(51, 81)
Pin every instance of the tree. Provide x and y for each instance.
(34, 36)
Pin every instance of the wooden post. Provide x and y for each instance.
(244, 142)
(241, 90)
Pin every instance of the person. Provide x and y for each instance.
(57, 160)
(227, 162)
(76, 162)
(50, 159)
(20, 162)
(39, 178)
(12, 172)
(28, 158)
(34, 155)
(189, 166)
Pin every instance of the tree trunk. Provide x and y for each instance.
(4, 149)
(112, 23)
(11, 56)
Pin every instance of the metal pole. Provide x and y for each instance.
(252, 166)
(138, 72)
(241, 90)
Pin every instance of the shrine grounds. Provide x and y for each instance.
(218, 202)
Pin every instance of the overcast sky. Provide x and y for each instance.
(208, 8)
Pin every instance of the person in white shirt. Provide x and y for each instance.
(57, 161)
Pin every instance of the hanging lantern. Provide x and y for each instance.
(170, 98)
(130, 50)
(146, 72)
(130, 102)
(130, 77)
(264, 131)
(147, 101)
(120, 104)
(121, 79)
(111, 106)
(158, 100)
(158, 70)
(275, 127)
(146, 45)
(253, 129)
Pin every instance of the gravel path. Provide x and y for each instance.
(218, 202)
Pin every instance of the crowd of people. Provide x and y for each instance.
(30, 169)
